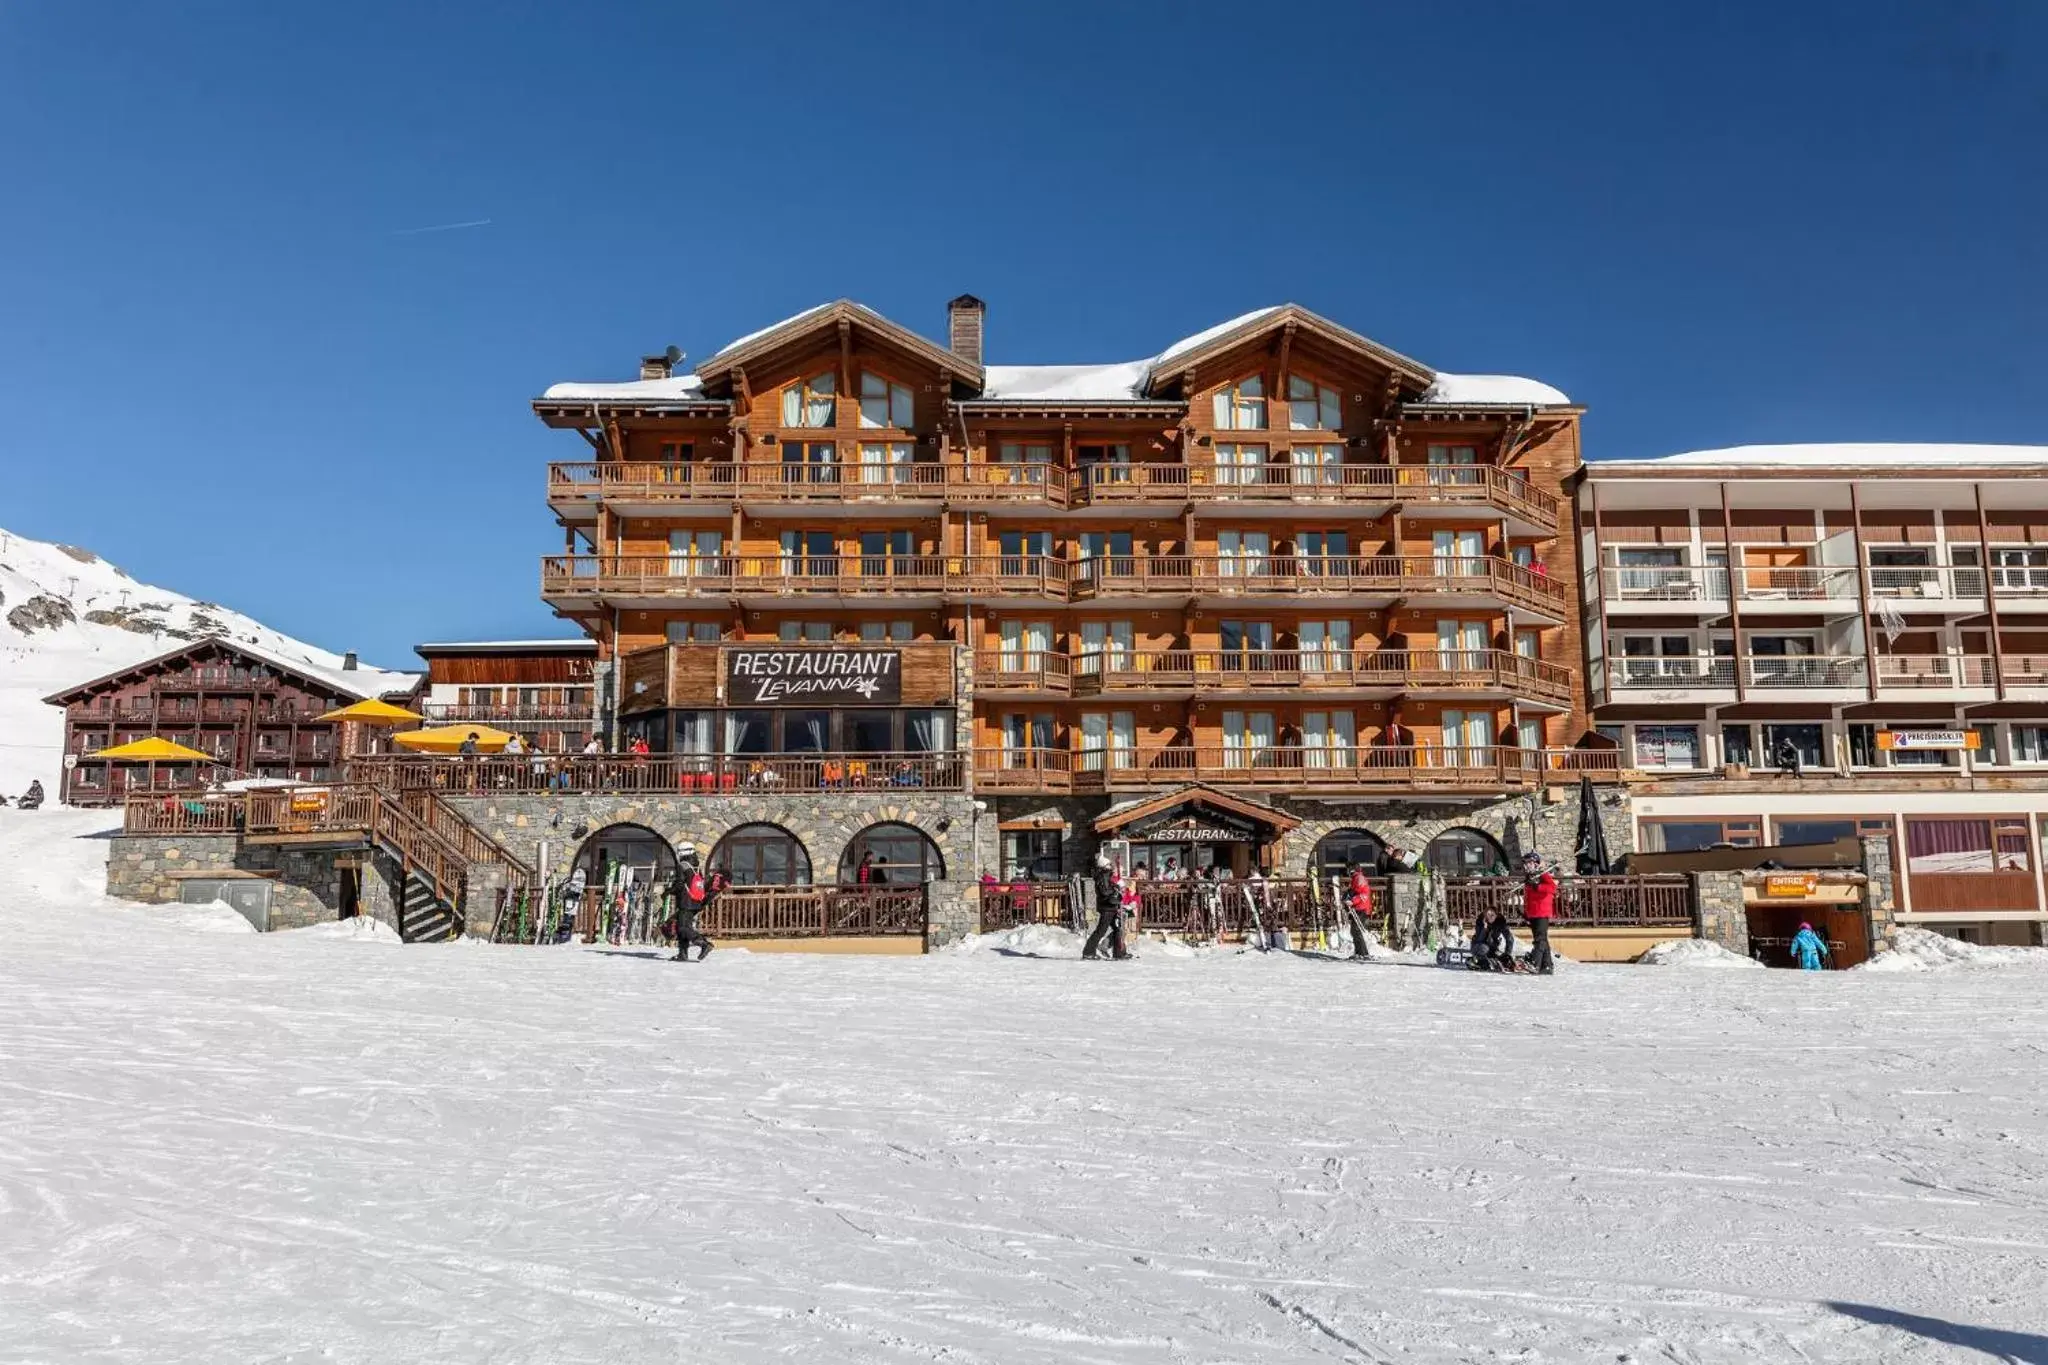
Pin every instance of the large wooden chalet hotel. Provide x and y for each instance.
(1275, 595)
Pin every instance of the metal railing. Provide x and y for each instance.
(1665, 584)
(1582, 902)
(1919, 581)
(1935, 671)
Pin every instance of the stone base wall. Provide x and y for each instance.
(1723, 917)
(305, 887)
(140, 866)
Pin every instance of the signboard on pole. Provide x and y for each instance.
(813, 677)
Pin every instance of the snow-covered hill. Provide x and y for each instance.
(66, 616)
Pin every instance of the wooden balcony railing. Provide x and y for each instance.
(816, 912)
(700, 774)
(1310, 767)
(1151, 670)
(1582, 902)
(1176, 907)
(519, 713)
(1406, 575)
(1052, 484)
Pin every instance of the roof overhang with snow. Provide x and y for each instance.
(1834, 461)
(829, 316)
(373, 683)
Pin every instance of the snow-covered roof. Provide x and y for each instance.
(1209, 334)
(682, 388)
(1120, 382)
(760, 332)
(1492, 390)
(1849, 455)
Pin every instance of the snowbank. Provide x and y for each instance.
(1921, 950)
(361, 929)
(1028, 940)
(1696, 952)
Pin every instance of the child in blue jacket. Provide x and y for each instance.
(1809, 948)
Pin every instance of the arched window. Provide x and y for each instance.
(762, 855)
(1466, 852)
(639, 853)
(1340, 850)
(902, 855)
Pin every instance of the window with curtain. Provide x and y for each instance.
(1319, 465)
(1242, 406)
(1240, 466)
(2030, 743)
(1453, 464)
(804, 632)
(887, 632)
(808, 402)
(1024, 461)
(885, 462)
(930, 732)
(806, 732)
(746, 732)
(884, 402)
(1937, 847)
(1312, 406)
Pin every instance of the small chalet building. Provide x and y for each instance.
(255, 712)
(540, 690)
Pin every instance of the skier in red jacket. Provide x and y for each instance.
(1539, 907)
(1358, 908)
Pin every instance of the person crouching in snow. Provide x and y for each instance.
(1493, 942)
(1809, 948)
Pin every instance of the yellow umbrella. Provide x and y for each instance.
(447, 739)
(153, 750)
(374, 712)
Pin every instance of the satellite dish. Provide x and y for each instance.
(674, 353)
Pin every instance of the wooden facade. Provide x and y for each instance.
(254, 714)
(1278, 537)
(541, 690)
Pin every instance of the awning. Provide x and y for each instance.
(448, 739)
(1199, 809)
(153, 750)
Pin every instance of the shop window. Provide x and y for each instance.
(1337, 852)
(1667, 746)
(1465, 852)
(1031, 853)
(762, 855)
(897, 855)
(1966, 846)
(1691, 836)
(1826, 831)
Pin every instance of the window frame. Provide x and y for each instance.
(801, 396)
(891, 392)
(1244, 396)
(1321, 398)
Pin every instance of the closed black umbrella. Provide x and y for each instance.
(1593, 858)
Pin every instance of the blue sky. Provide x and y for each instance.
(229, 365)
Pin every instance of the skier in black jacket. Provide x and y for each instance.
(689, 904)
(1109, 914)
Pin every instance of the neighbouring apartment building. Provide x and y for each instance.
(540, 690)
(1793, 643)
(1274, 594)
(256, 713)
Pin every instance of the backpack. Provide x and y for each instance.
(696, 888)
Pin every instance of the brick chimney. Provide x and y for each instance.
(963, 332)
(655, 367)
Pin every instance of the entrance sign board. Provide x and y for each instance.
(813, 677)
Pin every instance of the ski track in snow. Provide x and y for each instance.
(311, 1147)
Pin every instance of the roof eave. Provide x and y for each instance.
(840, 310)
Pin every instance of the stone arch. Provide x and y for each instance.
(628, 842)
(762, 853)
(1337, 851)
(1464, 851)
(906, 855)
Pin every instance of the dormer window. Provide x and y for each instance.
(809, 403)
(883, 402)
(1242, 406)
(1311, 406)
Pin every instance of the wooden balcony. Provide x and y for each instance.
(1189, 671)
(698, 774)
(575, 488)
(1469, 577)
(451, 712)
(1300, 768)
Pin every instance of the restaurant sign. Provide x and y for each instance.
(813, 677)
(1205, 828)
(1927, 739)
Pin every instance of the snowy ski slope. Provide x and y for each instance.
(318, 1147)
